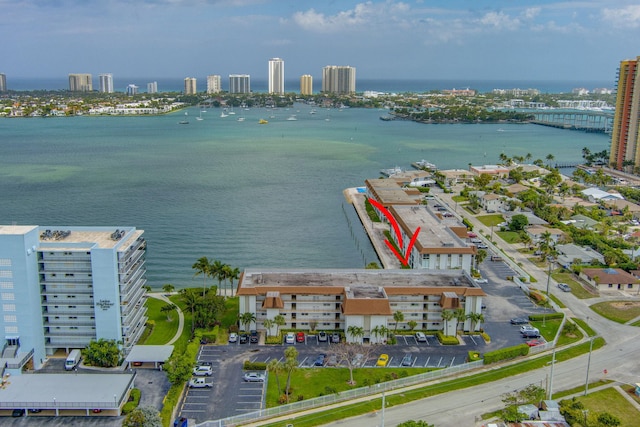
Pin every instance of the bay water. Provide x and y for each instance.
(247, 194)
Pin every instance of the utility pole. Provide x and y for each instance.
(586, 383)
(553, 362)
(544, 315)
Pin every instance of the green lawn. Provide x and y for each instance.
(163, 330)
(611, 401)
(585, 327)
(490, 220)
(509, 236)
(230, 317)
(576, 288)
(315, 382)
(618, 311)
(459, 199)
(549, 329)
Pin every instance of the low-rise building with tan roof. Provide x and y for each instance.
(336, 299)
(608, 279)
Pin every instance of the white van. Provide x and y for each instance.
(72, 360)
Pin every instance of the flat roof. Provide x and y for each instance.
(101, 237)
(64, 391)
(149, 353)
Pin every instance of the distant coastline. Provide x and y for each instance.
(293, 85)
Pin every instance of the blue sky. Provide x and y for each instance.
(439, 39)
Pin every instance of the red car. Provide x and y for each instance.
(533, 343)
(300, 337)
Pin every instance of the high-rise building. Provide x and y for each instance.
(239, 83)
(306, 84)
(132, 90)
(63, 288)
(276, 76)
(625, 136)
(190, 86)
(214, 83)
(3, 83)
(80, 82)
(106, 83)
(338, 79)
(152, 87)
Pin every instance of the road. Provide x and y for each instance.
(463, 407)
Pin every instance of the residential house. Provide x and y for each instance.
(596, 195)
(622, 205)
(496, 170)
(571, 254)
(605, 279)
(535, 233)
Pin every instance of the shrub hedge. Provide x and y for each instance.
(134, 400)
(538, 317)
(505, 353)
(447, 339)
(254, 366)
(472, 356)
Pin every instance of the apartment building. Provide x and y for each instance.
(214, 83)
(3, 82)
(625, 136)
(239, 83)
(306, 84)
(335, 299)
(61, 287)
(190, 86)
(339, 79)
(80, 82)
(105, 83)
(276, 76)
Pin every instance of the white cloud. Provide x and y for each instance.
(628, 17)
(500, 20)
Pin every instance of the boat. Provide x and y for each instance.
(262, 122)
(185, 121)
(223, 114)
(423, 164)
(200, 116)
(392, 171)
(292, 117)
(241, 119)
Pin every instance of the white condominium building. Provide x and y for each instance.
(306, 85)
(106, 83)
(61, 287)
(276, 76)
(80, 82)
(214, 83)
(339, 79)
(3, 83)
(239, 83)
(152, 87)
(190, 86)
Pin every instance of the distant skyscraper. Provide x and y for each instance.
(132, 90)
(106, 83)
(625, 136)
(239, 83)
(338, 79)
(3, 83)
(152, 87)
(276, 76)
(190, 86)
(306, 85)
(214, 83)
(80, 82)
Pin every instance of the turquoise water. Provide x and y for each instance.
(249, 195)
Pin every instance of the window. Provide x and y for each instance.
(8, 307)
(10, 318)
(8, 296)
(6, 285)
(630, 286)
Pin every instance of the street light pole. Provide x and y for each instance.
(544, 315)
(553, 362)
(586, 383)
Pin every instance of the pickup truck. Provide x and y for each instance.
(199, 382)
(203, 369)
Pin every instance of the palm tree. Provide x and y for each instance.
(279, 321)
(376, 332)
(476, 318)
(549, 158)
(268, 324)
(202, 266)
(398, 316)
(167, 309)
(460, 316)
(447, 315)
(356, 332)
(276, 367)
(168, 288)
(191, 301)
(290, 365)
(233, 273)
(216, 270)
(412, 324)
(247, 319)
(528, 157)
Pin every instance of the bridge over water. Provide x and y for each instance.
(585, 120)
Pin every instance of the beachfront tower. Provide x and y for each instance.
(276, 76)
(80, 82)
(214, 84)
(239, 83)
(306, 84)
(152, 87)
(105, 83)
(625, 136)
(338, 79)
(3, 83)
(190, 86)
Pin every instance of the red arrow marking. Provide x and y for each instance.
(404, 258)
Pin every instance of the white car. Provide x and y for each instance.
(290, 338)
(202, 370)
(199, 383)
(253, 377)
(233, 337)
(482, 280)
(421, 337)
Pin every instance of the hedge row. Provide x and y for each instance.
(134, 400)
(538, 317)
(472, 356)
(254, 366)
(466, 222)
(447, 339)
(506, 353)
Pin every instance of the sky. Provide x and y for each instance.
(386, 39)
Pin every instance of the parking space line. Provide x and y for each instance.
(439, 361)
(427, 362)
(452, 360)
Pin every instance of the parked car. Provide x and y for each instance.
(421, 337)
(335, 338)
(254, 337)
(202, 369)
(564, 287)
(531, 333)
(383, 359)
(533, 343)
(290, 338)
(300, 337)
(233, 337)
(253, 377)
(319, 360)
(332, 360)
(17, 413)
(199, 383)
(481, 280)
(519, 321)
(407, 360)
(322, 336)
(482, 246)
(525, 328)
(357, 360)
(244, 338)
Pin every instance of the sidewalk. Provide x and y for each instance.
(161, 297)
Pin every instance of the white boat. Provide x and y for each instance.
(185, 121)
(392, 171)
(200, 116)
(241, 119)
(223, 114)
(292, 117)
(423, 164)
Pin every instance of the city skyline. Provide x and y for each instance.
(540, 40)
